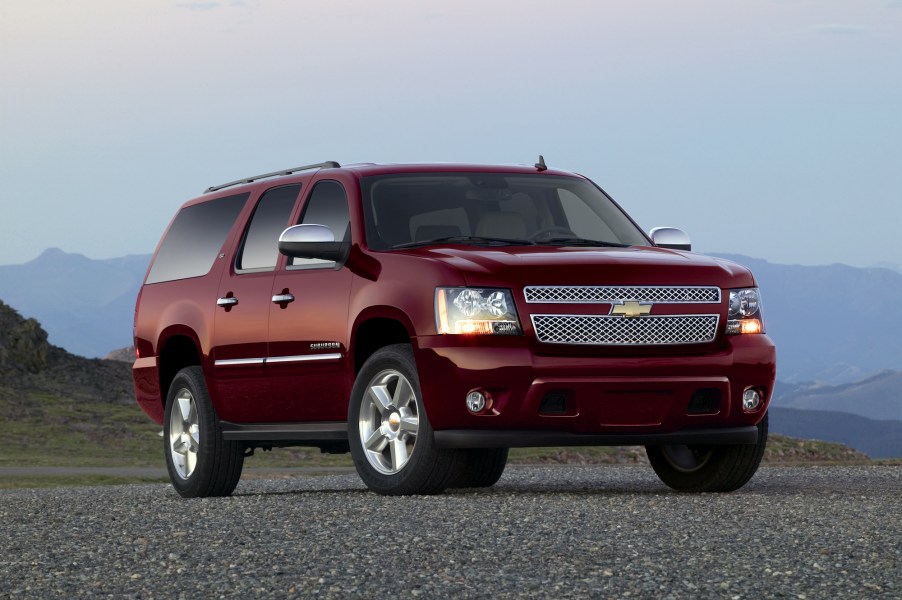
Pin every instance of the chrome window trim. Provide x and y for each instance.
(609, 294)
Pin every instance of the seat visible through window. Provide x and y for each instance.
(507, 225)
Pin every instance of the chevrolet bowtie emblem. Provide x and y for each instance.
(631, 309)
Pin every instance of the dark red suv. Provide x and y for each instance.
(426, 318)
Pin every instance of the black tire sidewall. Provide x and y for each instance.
(480, 468)
(728, 469)
(207, 479)
(418, 476)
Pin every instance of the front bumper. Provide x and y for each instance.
(609, 400)
(489, 438)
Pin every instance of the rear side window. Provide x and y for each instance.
(260, 250)
(195, 239)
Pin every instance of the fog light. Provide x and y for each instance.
(751, 399)
(475, 401)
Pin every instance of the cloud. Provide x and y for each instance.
(203, 6)
(837, 29)
(198, 5)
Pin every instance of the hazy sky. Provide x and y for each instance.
(771, 128)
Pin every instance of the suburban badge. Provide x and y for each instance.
(325, 346)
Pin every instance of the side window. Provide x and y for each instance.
(327, 205)
(195, 239)
(260, 248)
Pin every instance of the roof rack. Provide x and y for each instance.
(329, 164)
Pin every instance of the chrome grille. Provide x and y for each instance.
(624, 331)
(579, 294)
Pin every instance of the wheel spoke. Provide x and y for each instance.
(180, 460)
(399, 454)
(191, 461)
(185, 408)
(377, 441)
(410, 424)
(381, 400)
(403, 394)
(194, 432)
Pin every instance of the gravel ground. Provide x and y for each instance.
(600, 532)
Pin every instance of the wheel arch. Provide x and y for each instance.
(178, 348)
(377, 327)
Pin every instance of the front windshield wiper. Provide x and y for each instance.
(475, 240)
(577, 241)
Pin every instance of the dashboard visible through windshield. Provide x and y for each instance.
(409, 210)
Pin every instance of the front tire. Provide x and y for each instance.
(481, 468)
(708, 468)
(199, 461)
(390, 436)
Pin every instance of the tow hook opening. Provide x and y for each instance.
(705, 401)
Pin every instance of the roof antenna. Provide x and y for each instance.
(540, 166)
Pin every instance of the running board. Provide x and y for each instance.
(308, 433)
(487, 438)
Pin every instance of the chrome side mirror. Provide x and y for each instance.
(670, 237)
(312, 241)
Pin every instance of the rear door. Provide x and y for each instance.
(308, 330)
(242, 315)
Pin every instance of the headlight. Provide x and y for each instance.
(744, 312)
(476, 311)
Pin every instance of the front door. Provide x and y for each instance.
(308, 324)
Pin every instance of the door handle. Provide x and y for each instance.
(227, 301)
(282, 298)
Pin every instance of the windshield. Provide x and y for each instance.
(491, 209)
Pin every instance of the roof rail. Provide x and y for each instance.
(329, 164)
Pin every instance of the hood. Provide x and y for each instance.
(517, 266)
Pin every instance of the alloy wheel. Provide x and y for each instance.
(389, 422)
(184, 434)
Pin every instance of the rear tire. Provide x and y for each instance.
(391, 439)
(708, 468)
(199, 461)
(481, 468)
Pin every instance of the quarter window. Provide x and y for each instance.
(195, 239)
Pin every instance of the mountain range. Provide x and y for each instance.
(87, 306)
(877, 397)
(832, 324)
(877, 439)
(30, 365)
(49, 397)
